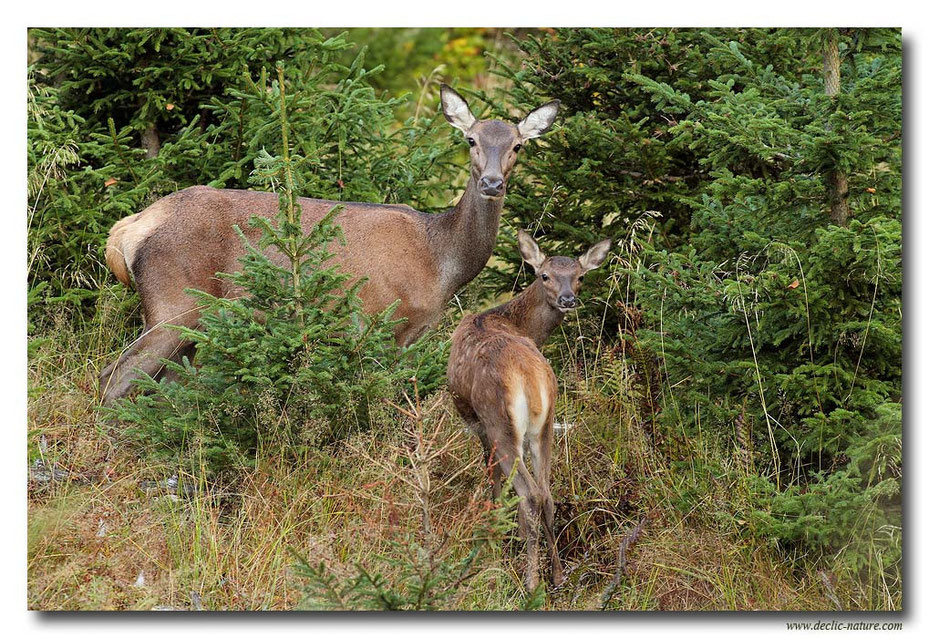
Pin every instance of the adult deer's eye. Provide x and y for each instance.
(471, 141)
(544, 277)
(517, 147)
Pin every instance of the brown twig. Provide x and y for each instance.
(624, 546)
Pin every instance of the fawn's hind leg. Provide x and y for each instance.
(529, 505)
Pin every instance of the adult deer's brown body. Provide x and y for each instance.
(182, 241)
(505, 389)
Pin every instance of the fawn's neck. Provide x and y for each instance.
(531, 313)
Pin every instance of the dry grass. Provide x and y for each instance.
(231, 548)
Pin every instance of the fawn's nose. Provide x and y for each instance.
(491, 186)
(567, 301)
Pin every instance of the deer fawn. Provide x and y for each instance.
(505, 389)
(181, 241)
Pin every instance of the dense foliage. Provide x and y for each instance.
(769, 326)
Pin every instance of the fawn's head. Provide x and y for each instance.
(494, 143)
(561, 277)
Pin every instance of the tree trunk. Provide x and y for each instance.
(151, 142)
(838, 182)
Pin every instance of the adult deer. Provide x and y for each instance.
(505, 389)
(182, 240)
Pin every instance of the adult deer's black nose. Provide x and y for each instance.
(491, 186)
(567, 301)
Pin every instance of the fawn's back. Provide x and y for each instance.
(498, 376)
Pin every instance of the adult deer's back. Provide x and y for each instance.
(182, 241)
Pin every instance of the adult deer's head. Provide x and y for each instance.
(561, 276)
(494, 143)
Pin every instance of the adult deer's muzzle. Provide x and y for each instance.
(491, 185)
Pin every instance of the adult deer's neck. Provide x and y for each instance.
(531, 313)
(463, 239)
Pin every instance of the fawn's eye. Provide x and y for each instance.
(471, 141)
(544, 277)
(517, 147)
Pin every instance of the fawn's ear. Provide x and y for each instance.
(456, 109)
(530, 250)
(594, 255)
(539, 120)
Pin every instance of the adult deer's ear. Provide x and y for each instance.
(530, 250)
(539, 120)
(456, 109)
(594, 255)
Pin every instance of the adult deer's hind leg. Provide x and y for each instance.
(156, 343)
